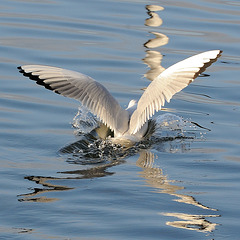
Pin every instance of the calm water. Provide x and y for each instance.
(172, 188)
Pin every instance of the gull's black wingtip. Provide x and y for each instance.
(20, 69)
(36, 79)
(29, 75)
(220, 53)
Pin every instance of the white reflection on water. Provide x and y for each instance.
(154, 20)
(192, 222)
(154, 58)
(159, 40)
(155, 178)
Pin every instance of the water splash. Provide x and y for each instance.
(172, 126)
(174, 134)
(84, 121)
(167, 124)
(168, 133)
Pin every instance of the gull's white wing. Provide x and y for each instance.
(169, 82)
(75, 85)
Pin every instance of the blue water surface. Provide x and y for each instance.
(176, 187)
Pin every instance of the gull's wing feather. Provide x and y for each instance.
(169, 82)
(75, 85)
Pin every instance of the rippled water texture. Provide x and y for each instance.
(58, 182)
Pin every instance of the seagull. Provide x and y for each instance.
(130, 124)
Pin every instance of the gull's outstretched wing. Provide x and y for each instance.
(75, 85)
(169, 82)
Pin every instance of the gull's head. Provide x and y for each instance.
(132, 103)
(132, 106)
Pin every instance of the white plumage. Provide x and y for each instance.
(130, 123)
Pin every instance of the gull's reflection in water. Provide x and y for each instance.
(153, 58)
(192, 222)
(152, 174)
(89, 173)
(45, 187)
(155, 178)
(154, 20)
(159, 40)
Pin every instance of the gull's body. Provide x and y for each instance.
(129, 124)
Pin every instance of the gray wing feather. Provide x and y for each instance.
(75, 85)
(169, 82)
